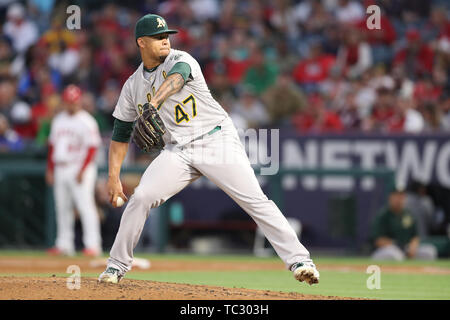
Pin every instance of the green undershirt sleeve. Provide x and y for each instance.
(182, 68)
(122, 131)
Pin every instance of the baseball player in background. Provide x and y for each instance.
(71, 169)
(198, 133)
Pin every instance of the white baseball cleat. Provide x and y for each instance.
(306, 271)
(110, 275)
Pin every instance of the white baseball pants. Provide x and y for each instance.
(221, 158)
(70, 194)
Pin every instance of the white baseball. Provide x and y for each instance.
(119, 202)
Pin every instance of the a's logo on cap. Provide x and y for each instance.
(161, 23)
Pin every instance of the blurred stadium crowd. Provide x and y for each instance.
(309, 65)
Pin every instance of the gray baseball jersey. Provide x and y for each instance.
(190, 114)
(187, 114)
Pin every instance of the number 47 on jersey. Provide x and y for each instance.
(180, 110)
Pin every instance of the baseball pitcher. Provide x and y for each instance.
(166, 104)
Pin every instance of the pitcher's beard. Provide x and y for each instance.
(162, 58)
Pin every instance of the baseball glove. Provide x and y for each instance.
(148, 130)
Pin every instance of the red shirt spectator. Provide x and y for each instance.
(396, 124)
(385, 35)
(235, 56)
(383, 112)
(417, 57)
(425, 90)
(106, 21)
(236, 69)
(354, 55)
(315, 68)
(324, 121)
(317, 118)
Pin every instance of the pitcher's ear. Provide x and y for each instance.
(140, 42)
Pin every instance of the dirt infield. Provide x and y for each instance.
(19, 287)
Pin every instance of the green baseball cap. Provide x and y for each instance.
(150, 25)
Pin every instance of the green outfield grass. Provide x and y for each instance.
(350, 284)
(333, 283)
(343, 282)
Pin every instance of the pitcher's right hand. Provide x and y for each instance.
(115, 190)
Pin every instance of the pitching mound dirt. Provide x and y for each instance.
(54, 288)
(28, 287)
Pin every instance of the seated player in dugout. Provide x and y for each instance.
(395, 233)
(166, 104)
